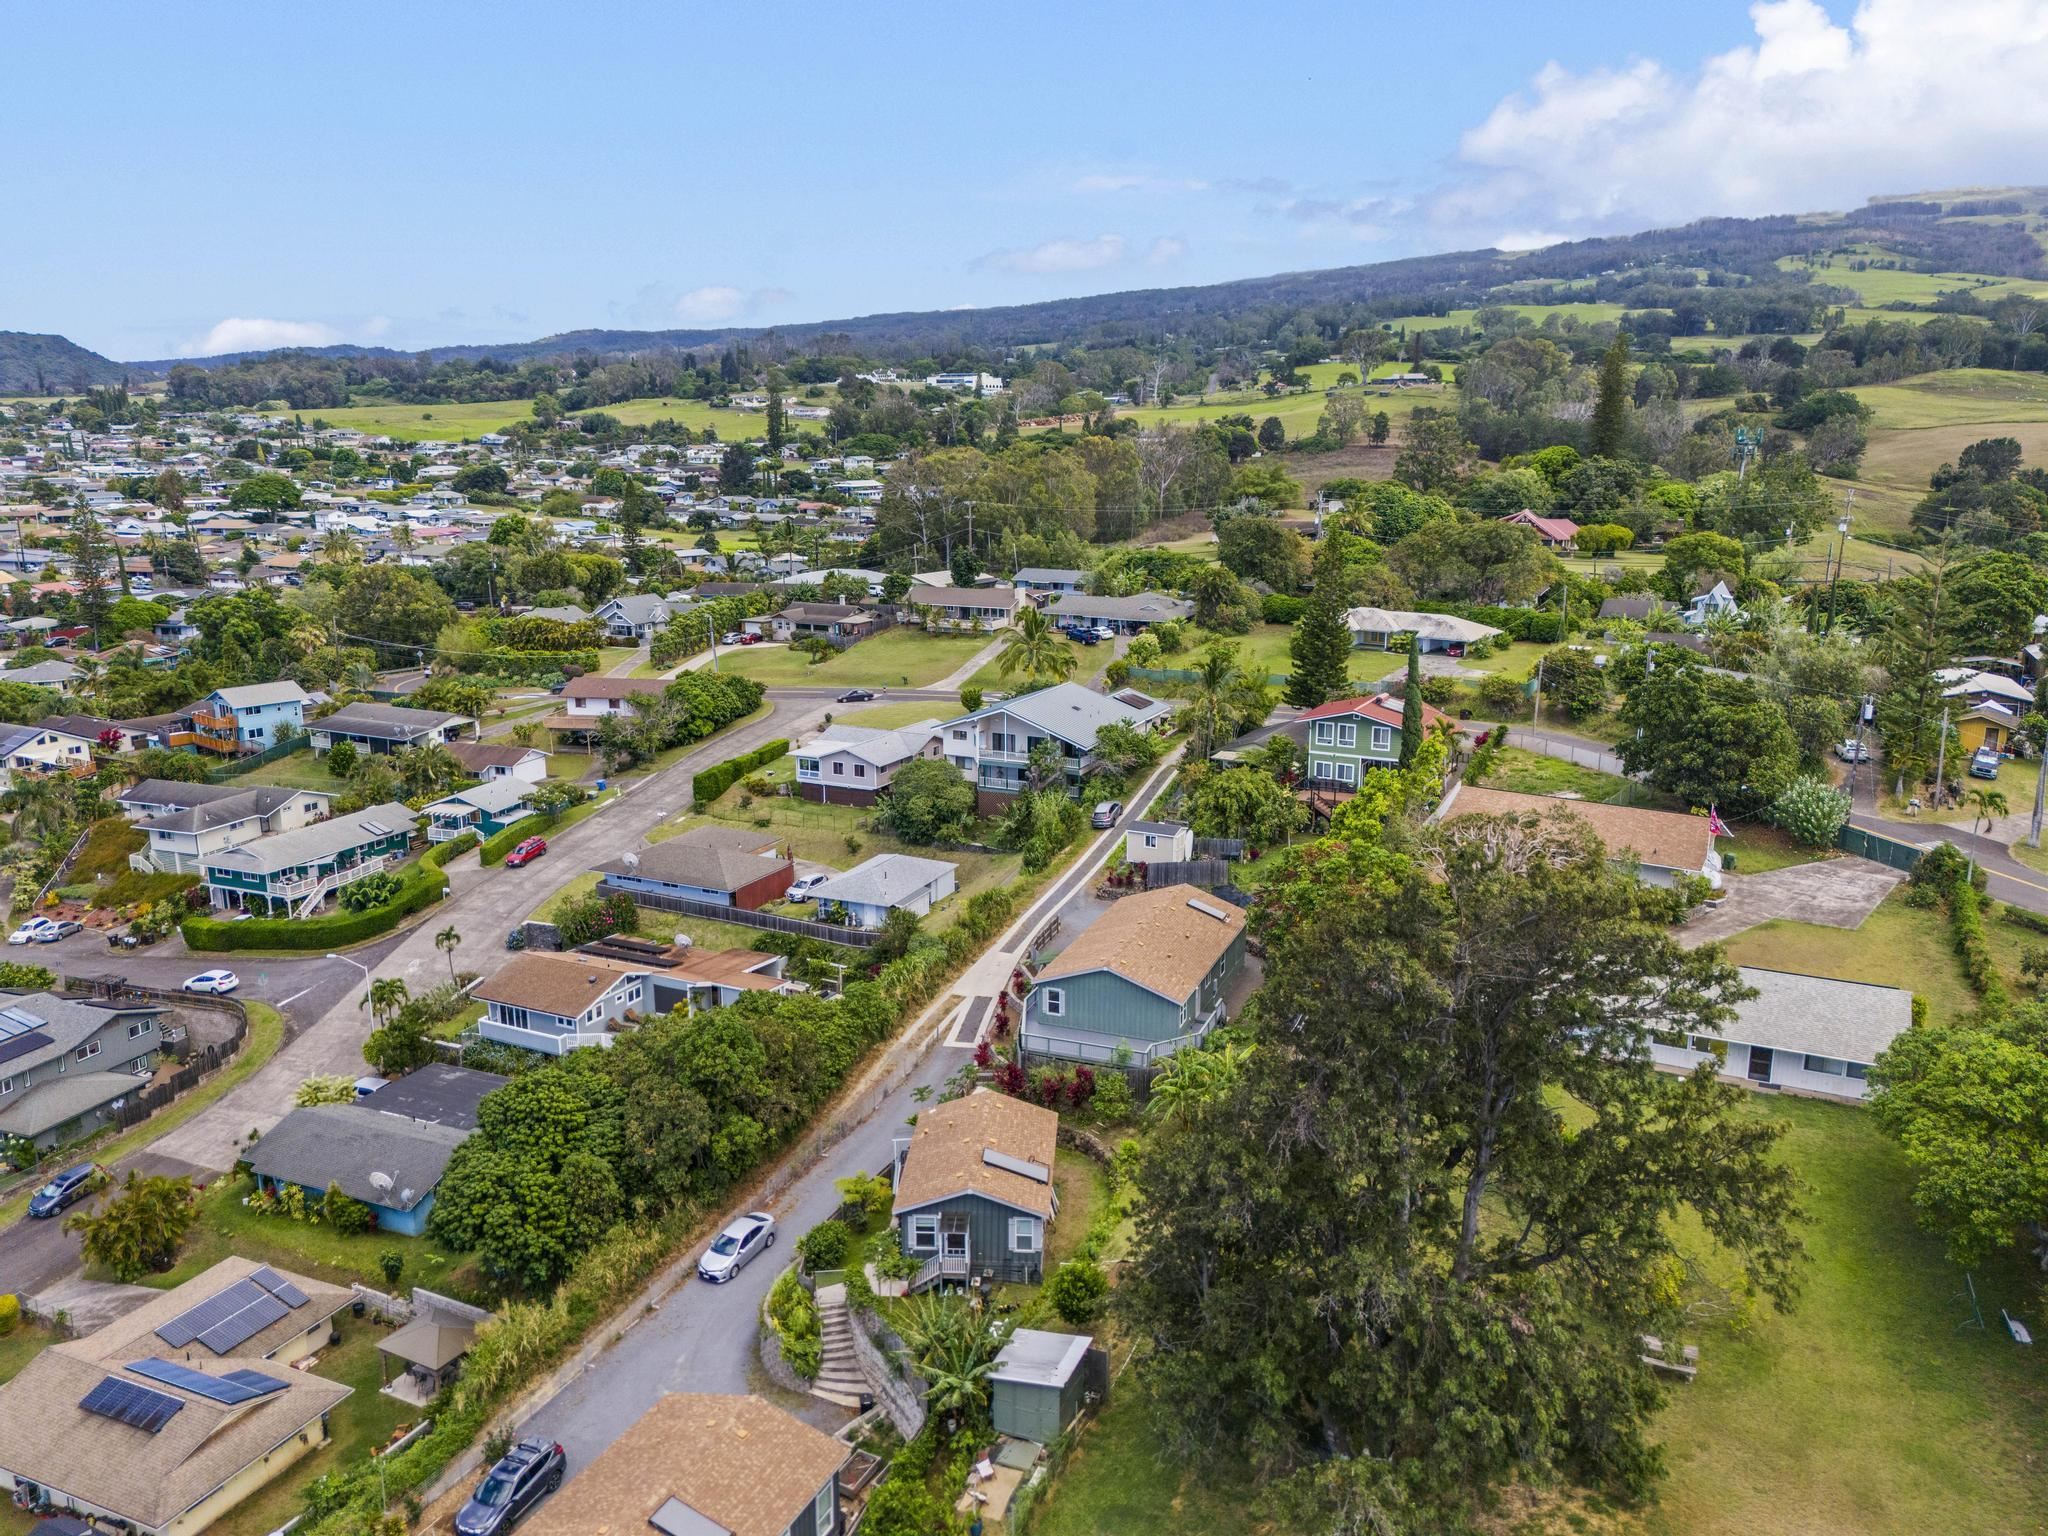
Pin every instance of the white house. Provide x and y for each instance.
(1373, 629)
(36, 750)
(853, 764)
(866, 894)
(1805, 1035)
(1717, 599)
(992, 746)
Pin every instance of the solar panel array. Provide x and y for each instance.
(21, 1044)
(126, 1403)
(278, 1286)
(1009, 1164)
(15, 1021)
(235, 1387)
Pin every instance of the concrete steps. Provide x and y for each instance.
(839, 1378)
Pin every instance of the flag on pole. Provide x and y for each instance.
(1715, 826)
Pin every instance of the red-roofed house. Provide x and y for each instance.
(1555, 532)
(1348, 736)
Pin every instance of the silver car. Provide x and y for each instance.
(734, 1248)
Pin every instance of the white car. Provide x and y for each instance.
(212, 981)
(731, 637)
(801, 887)
(1852, 752)
(734, 1248)
(37, 930)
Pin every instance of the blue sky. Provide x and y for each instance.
(238, 175)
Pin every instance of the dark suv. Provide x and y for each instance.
(68, 1188)
(530, 1471)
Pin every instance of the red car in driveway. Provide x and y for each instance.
(526, 852)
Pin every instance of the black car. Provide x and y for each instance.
(531, 1471)
(856, 696)
(68, 1188)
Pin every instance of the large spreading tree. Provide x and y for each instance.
(1405, 1255)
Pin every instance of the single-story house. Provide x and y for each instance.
(67, 1065)
(712, 978)
(1037, 1386)
(1125, 615)
(1800, 1034)
(1159, 842)
(1662, 845)
(1988, 725)
(698, 1464)
(587, 700)
(170, 1416)
(1985, 688)
(107, 735)
(840, 623)
(853, 764)
(483, 809)
(489, 760)
(968, 608)
(1048, 578)
(565, 613)
(636, 616)
(1553, 532)
(306, 866)
(1639, 608)
(866, 894)
(723, 866)
(557, 1003)
(386, 728)
(43, 674)
(1373, 629)
(437, 1093)
(974, 1189)
(1148, 976)
(393, 1166)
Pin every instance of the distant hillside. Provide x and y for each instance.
(34, 365)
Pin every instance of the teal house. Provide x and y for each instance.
(302, 868)
(1346, 738)
(974, 1190)
(483, 809)
(1148, 977)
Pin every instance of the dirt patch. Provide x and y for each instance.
(1361, 461)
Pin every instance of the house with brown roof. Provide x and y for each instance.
(700, 1464)
(489, 760)
(169, 1417)
(721, 866)
(557, 1003)
(1659, 845)
(974, 1190)
(1148, 977)
(587, 700)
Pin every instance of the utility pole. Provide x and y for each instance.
(2040, 736)
(711, 635)
(1841, 548)
(1863, 713)
(1941, 759)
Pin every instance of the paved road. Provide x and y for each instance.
(2010, 881)
(703, 1337)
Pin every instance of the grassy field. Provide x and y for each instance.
(1956, 397)
(1888, 285)
(1088, 660)
(28, 1340)
(298, 770)
(1759, 849)
(1863, 1411)
(2016, 781)
(1532, 773)
(885, 717)
(896, 658)
(1298, 413)
(451, 423)
(1897, 946)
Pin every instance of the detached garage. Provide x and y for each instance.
(1040, 1383)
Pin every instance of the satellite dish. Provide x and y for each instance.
(379, 1180)
(631, 861)
(682, 941)
(405, 1199)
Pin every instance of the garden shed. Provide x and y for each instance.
(1039, 1383)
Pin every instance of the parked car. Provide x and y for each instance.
(68, 1188)
(1083, 637)
(526, 852)
(1984, 763)
(63, 928)
(212, 981)
(1104, 632)
(526, 1474)
(856, 696)
(731, 637)
(750, 639)
(1852, 751)
(1106, 814)
(801, 887)
(734, 1248)
(31, 932)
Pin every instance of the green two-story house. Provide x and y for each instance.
(1346, 738)
(1148, 977)
(302, 868)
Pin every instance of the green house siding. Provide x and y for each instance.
(1345, 749)
(987, 1225)
(1116, 1009)
(1035, 1411)
(395, 843)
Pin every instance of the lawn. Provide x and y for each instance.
(886, 717)
(296, 770)
(1897, 946)
(1533, 773)
(21, 1346)
(1757, 849)
(896, 658)
(227, 1227)
(1956, 397)
(452, 423)
(1115, 1482)
(1082, 1187)
(2016, 781)
(358, 1424)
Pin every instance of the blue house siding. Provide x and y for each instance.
(412, 1223)
(670, 888)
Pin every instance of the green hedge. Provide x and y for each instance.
(504, 840)
(719, 777)
(424, 885)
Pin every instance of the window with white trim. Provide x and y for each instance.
(87, 1051)
(822, 1512)
(138, 1029)
(1023, 1234)
(6, 1085)
(1824, 1064)
(1382, 738)
(924, 1234)
(1055, 1004)
(1347, 735)
(1326, 733)
(1347, 773)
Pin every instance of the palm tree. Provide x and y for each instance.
(1986, 805)
(1222, 700)
(386, 996)
(1037, 650)
(1188, 1079)
(425, 768)
(39, 803)
(954, 1353)
(359, 677)
(446, 941)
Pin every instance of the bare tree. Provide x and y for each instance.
(2021, 320)
(1164, 455)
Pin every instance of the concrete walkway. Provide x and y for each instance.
(955, 680)
(1837, 893)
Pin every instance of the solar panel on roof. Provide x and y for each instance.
(1010, 1164)
(376, 827)
(126, 1403)
(279, 1287)
(238, 1328)
(195, 1320)
(235, 1387)
(15, 1020)
(12, 1046)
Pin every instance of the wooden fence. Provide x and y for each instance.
(198, 1064)
(831, 933)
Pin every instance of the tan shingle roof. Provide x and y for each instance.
(739, 1461)
(133, 1335)
(1666, 839)
(1156, 939)
(563, 985)
(945, 1155)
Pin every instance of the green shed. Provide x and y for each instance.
(1038, 1384)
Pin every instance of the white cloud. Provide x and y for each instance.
(1910, 95)
(713, 305)
(1072, 255)
(240, 333)
(1166, 250)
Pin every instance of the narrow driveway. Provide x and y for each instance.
(1837, 893)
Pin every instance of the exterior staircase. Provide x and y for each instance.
(839, 1378)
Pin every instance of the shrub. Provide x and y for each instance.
(505, 839)
(341, 759)
(346, 1214)
(794, 1316)
(1503, 697)
(420, 887)
(370, 891)
(869, 1193)
(1811, 811)
(10, 1313)
(1113, 1102)
(30, 978)
(1279, 608)
(719, 777)
(392, 1263)
(1077, 1290)
(593, 916)
(825, 1246)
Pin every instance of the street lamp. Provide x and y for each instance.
(344, 959)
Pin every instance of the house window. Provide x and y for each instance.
(839, 770)
(1347, 773)
(924, 1234)
(1382, 738)
(87, 1051)
(860, 770)
(1857, 1069)
(1319, 768)
(1055, 1002)
(138, 1029)
(1151, 841)
(1825, 1064)
(1326, 733)
(822, 1513)
(1023, 1234)
(1347, 735)
(6, 1085)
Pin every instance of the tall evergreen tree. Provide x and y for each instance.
(1610, 413)
(1320, 651)
(92, 558)
(1411, 705)
(778, 421)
